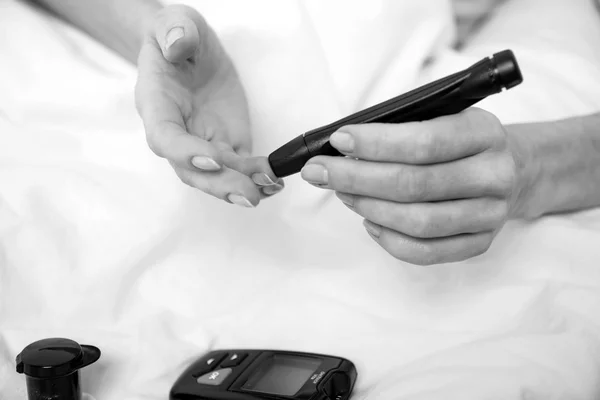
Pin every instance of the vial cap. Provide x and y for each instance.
(54, 357)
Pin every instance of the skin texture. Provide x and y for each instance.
(188, 93)
(558, 164)
(118, 24)
(195, 112)
(430, 192)
(439, 191)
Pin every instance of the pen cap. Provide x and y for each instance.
(507, 68)
(290, 158)
(487, 77)
(51, 368)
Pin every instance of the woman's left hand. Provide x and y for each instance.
(430, 192)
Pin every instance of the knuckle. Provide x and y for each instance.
(478, 118)
(361, 206)
(487, 125)
(495, 173)
(186, 178)
(422, 225)
(425, 145)
(505, 175)
(486, 117)
(379, 148)
(345, 181)
(413, 182)
(499, 212)
(484, 245)
(153, 144)
(475, 114)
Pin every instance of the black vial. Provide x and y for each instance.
(51, 367)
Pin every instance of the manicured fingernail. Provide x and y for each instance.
(262, 179)
(173, 35)
(314, 173)
(205, 163)
(271, 190)
(342, 141)
(347, 199)
(374, 230)
(240, 200)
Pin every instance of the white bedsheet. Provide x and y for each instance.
(101, 243)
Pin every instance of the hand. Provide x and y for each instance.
(195, 112)
(430, 192)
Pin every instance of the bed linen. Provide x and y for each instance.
(100, 242)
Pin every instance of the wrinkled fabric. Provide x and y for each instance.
(101, 243)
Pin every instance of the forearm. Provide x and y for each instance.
(558, 164)
(118, 24)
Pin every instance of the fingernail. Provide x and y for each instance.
(271, 190)
(262, 179)
(347, 199)
(314, 173)
(173, 35)
(205, 163)
(240, 200)
(374, 230)
(342, 141)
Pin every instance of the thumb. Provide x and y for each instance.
(177, 32)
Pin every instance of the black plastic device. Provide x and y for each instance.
(51, 367)
(446, 96)
(265, 375)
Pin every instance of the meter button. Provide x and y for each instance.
(214, 378)
(337, 386)
(211, 362)
(208, 364)
(234, 359)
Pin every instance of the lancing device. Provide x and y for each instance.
(446, 96)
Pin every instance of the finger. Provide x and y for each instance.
(439, 140)
(178, 30)
(430, 251)
(257, 168)
(260, 171)
(167, 136)
(272, 190)
(227, 184)
(486, 174)
(431, 220)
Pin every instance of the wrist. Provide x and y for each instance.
(118, 24)
(557, 164)
(527, 171)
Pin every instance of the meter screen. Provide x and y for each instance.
(282, 375)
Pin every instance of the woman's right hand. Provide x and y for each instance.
(195, 112)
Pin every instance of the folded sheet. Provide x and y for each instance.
(101, 243)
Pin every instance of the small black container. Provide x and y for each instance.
(51, 367)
